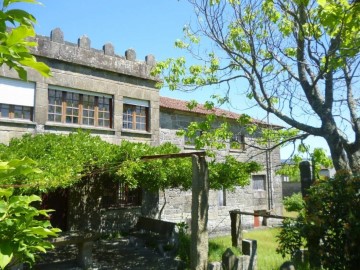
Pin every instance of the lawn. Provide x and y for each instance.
(266, 240)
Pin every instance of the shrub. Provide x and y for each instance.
(330, 224)
(294, 202)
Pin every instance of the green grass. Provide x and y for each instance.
(267, 258)
(266, 242)
(217, 247)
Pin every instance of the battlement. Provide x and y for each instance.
(55, 47)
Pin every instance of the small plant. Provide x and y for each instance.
(294, 203)
(184, 242)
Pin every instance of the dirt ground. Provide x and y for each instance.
(109, 254)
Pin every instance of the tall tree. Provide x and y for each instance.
(297, 59)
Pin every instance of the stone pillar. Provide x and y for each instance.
(41, 101)
(249, 248)
(84, 42)
(312, 242)
(109, 49)
(130, 55)
(305, 176)
(150, 60)
(236, 230)
(84, 257)
(199, 214)
(57, 35)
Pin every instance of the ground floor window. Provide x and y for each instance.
(259, 182)
(120, 195)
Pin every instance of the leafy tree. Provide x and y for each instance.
(24, 228)
(297, 60)
(15, 42)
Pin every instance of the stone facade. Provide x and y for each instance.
(175, 204)
(79, 69)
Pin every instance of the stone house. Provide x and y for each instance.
(264, 193)
(115, 97)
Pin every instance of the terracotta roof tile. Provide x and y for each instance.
(181, 105)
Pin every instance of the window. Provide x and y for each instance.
(237, 142)
(16, 99)
(16, 112)
(259, 182)
(191, 140)
(136, 114)
(222, 197)
(79, 108)
(119, 195)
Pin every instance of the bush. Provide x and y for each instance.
(330, 224)
(294, 203)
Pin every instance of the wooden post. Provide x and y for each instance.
(236, 230)
(199, 214)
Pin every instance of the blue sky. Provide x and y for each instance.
(148, 27)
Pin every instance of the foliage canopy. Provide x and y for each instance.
(67, 159)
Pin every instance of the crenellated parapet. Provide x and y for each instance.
(55, 47)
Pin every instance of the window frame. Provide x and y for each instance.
(134, 116)
(12, 112)
(63, 100)
(118, 195)
(258, 186)
(238, 139)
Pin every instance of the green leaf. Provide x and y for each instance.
(9, 2)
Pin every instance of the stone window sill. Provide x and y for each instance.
(144, 132)
(75, 126)
(17, 121)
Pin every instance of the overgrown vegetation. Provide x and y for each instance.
(66, 159)
(328, 224)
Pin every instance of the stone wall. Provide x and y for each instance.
(176, 204)
(289, 188)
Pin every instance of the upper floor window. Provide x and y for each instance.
(82, 108)
(136, 114)
(237, 142)
(16, 99)
(259, 182)
(190, 141)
